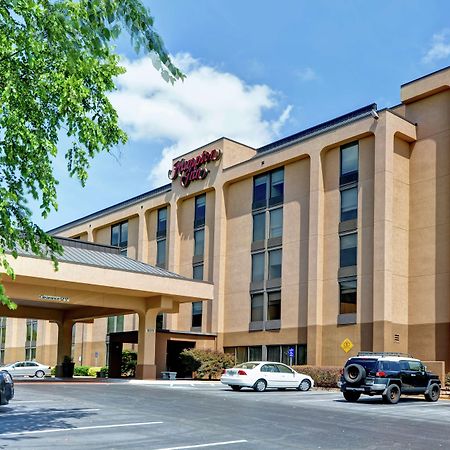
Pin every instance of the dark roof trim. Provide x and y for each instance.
(130, 201)
(426, 76)
(318, 129)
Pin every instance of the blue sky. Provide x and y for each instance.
(256, 72)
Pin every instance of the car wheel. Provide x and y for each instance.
(354, 373)
(236, 388)
(260, 386)
(305, 385)
(39, 374)
(392, 395)
(352, 396)
(434, 391)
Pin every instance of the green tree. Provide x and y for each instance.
(58, 62)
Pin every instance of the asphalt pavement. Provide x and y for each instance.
(184, 415)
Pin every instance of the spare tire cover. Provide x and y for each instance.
(354, 373)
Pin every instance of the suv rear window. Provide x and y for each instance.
(369, 364)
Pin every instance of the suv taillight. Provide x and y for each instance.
(242, 372)
(380, 374)
(341, 371)
(224, 371)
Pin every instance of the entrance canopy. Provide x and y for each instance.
(96, 281)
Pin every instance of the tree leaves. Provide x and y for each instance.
(58, 65)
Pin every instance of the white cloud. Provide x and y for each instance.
(306, 74)
(209, 104)
(440, 47)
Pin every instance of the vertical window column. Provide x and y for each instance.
(265, 286)
(2, 339)
(161, 239)
(31, 338)
(348, 233)
(199, 252)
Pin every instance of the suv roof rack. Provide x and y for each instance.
(406, 355)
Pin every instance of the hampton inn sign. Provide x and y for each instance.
(194, 168)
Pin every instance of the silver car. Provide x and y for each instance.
(27, 369)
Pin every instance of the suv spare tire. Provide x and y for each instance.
(354, 373)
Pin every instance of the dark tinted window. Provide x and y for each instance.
(368, 364)
(200, 209)
(392, 366)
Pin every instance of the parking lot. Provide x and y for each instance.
(179, 415)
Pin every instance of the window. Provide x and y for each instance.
(197, 312)
(268, 189)
(119, 236)
(115, 324)
(199, 242)
(274, 264)
(161, 230)
(276, 186)
(276, 223)
(160, 321)
(259, 227)
(31, 338)
(274, 306)
(255, 353)
(258, 267)
(257, 308)
(349, 204)
(200, 210)
(347, 296)
(349, 163)
(348, 249)
(161, 253)
(259, 191)
(197, 272)
(2, 339)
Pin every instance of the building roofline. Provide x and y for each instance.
(425, 76)
(101, 212)
(212, 142)
(319, 129)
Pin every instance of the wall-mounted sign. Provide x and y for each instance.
(193, 169)
(346, 345)
(56, 298)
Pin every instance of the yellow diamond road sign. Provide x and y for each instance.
(347, 345)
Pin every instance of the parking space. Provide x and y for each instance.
(183, 414)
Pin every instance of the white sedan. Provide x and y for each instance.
(27, 369)
(260, 375)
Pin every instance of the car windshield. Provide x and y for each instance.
(247, 365)
(369, 364)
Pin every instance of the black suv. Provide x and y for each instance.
(389, 375)
(6, 388)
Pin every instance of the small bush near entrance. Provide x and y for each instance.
(447, 379)
(326, 377)
(81, 371)
(206, 363)
(128, 366)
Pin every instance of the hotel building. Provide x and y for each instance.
(333, 240)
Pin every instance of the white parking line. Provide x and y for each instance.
(94, 427)
(212, 444)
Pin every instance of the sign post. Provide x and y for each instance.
(291, 353)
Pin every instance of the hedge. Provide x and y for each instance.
(326, 377)
(206, 363)
(447, 380)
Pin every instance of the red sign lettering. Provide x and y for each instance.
(193, 169)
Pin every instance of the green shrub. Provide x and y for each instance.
(53, 371)
(447, 379)
(206, 363)
(128, 366)
(92, 372)
(81, 371)
(326, 377)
